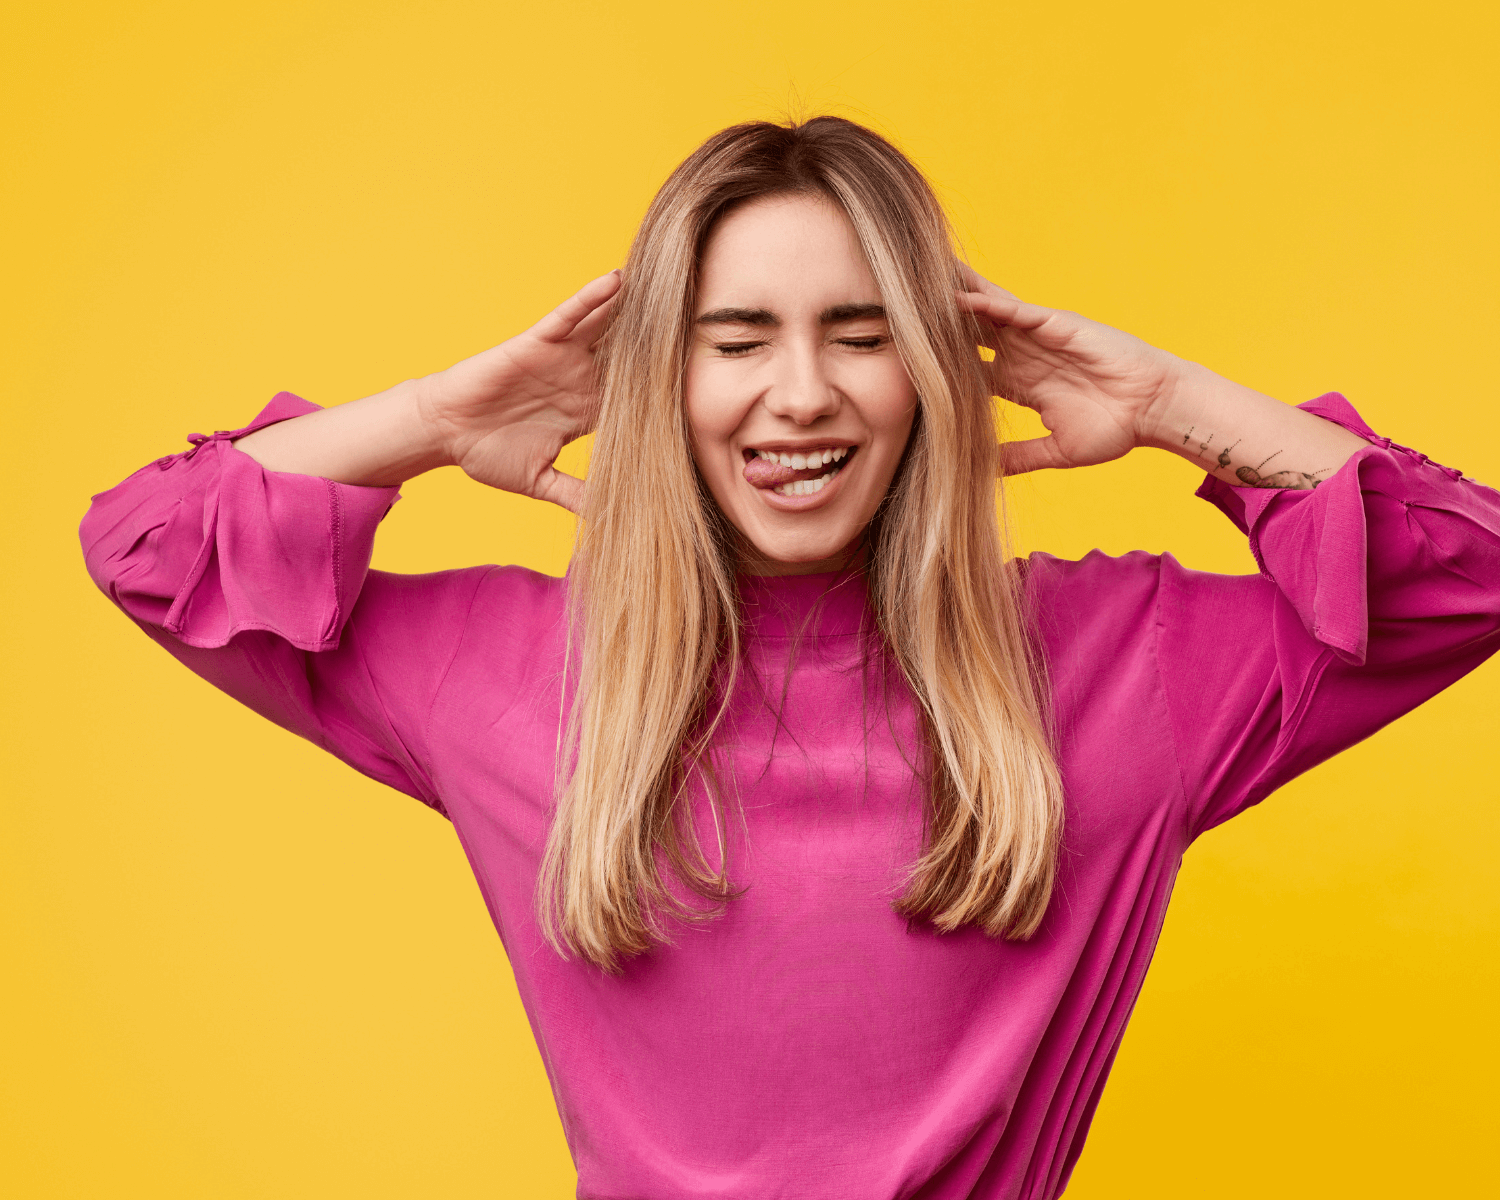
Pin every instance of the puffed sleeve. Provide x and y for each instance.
(259, 581)
(1377, 589)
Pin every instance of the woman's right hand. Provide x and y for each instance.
(504, 414)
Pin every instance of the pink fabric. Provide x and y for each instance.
(810, 1042)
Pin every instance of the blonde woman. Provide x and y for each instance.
(829, 845)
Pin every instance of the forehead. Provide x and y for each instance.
(788, 254)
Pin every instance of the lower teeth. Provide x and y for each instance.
(805, 487)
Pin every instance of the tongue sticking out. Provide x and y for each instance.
(763, 473)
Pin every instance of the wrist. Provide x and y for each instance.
(389, 438)
(425, 403)
(1179, 404)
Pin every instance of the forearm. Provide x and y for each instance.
(1246, 438)
(380, 441)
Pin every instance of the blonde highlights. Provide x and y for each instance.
(654, 604)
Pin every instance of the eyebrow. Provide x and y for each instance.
(835, 315)
(739, 316)
(840, 313)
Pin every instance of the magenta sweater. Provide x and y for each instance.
(810, 1042)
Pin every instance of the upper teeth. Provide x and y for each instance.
(807, 458)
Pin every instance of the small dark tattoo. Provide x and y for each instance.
(1294, 480)
(1202, 446)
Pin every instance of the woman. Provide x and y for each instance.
(829, 846)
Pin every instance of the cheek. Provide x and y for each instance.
(712, 416)
(890, 405)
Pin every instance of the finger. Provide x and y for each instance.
(990, 336)
(1006, 310)
(1030, 454)
(976, 282)
(564, 319)
(557, 487)
(587, 332)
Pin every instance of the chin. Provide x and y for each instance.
(802, 553)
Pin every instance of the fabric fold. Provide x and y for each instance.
(272, 551)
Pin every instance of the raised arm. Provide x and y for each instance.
(1103, 392)
(1380, 569)
(247, 556)
(502, 415)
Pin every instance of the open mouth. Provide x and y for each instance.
(796, 473)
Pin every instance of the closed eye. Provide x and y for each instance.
(733, 348)
(865, 343)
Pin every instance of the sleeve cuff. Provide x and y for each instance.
(1313, 544)
(280, 552)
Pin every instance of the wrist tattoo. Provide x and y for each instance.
(1249, 476)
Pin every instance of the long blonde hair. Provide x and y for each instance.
(655, 609)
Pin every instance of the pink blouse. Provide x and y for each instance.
(810, 1042)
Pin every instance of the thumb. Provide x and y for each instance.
(1030, 454)
(558, 487)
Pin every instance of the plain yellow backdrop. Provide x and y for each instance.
(235, 969)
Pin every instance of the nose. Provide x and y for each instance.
(802, 391)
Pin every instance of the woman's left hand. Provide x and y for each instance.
(1098, 390)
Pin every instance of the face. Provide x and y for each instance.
(798, 405)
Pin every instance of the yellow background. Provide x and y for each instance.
(236, 969)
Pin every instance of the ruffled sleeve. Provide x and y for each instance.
(207, 543)
(259, 581)
(1377, 589)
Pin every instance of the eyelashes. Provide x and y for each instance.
(740, 349)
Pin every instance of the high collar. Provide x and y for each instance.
(828, 604)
